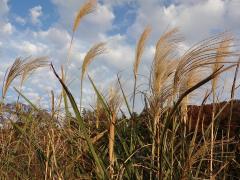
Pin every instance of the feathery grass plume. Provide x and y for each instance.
(165, 59)
(220, 52)
(202, 55)
(140, 48)
(163, 68)
(31, 65)
(96, 50)
(114, 103)
(14, 71)
(188, 82)
(139, 52)
(23, 67)
(88, 7)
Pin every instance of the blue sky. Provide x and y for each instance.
(21, 9)
(43, 28)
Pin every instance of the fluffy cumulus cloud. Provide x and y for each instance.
(27, 47)
(6, 27)
(55, 37)
(117, 51)
(20, 20)
(3, 7)
(92, 28)
(35, 14)
(101, 19)
(117, 2)
(196, 20)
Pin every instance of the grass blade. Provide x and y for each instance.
(80, 121)
(26, 99)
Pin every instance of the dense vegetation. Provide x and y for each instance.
(168, 140)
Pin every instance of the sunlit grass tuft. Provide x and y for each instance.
(169, 139)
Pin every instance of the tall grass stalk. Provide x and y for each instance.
(114, 104)
(162, 69)
(96, 50)
(139, 52)
(223, 49)
(88, 7)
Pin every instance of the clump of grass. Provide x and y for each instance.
(161, 90)
(100, 144)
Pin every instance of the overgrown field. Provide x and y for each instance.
(169, 139)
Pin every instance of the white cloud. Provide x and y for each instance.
(56, 36)
(102, 16)
(28, 48)
(92, 26)
(35, 13)
(117, 2)
(196, 19)
(201, 19)
(119, 53)
(7, 28)
(20, 20)
(67, 10)
(232, 14)
(3, 7)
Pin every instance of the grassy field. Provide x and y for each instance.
(164, 141)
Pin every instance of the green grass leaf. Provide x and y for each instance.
(103, 173)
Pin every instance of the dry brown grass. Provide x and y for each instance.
(140, 49)
(222, 51)
(96, 50)
(139, 52)
(14, 71)
(88, 7)
(114, 103)
(33, 64)
(22, 67)
(163, 67)
(66, 144)
(202, 55)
